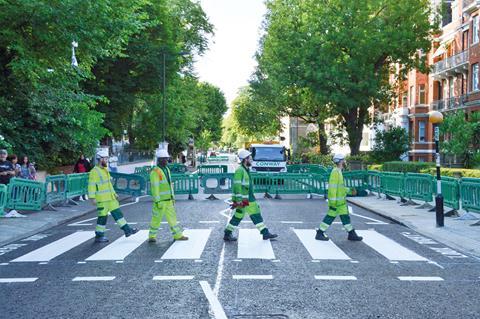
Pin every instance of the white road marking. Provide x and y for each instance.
(418, 278)
(159, 261)
(4, 264)
(252, 277)
(81, 262)
(164, 278)
(209, 221)
(354, 261)
(121, 247)
(215, 306)
(119, 262)
(388, 248)
(436, 264)
(82, 222)
(191, 248)
(335, 277)
(319, 249)
(105, 278)
(375, 221)
(226, 213)
(58, 247)
(252, 246)
(10, 280)
(43, 263)
(137, 199)
(291, 222)
(198, 260)
(237, 260)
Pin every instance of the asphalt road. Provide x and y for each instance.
(394, 273)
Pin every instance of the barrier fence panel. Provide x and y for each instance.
(450, 191)
(77, 185)
(185, 184)
(319, 184)
(217, 183)
(128, 184)
(374, 181)
(262, 182)
(357, 180)
(3, 198)
(393, 183)
(418, 186)
(307, 168)
(212, 169)
(470, 194)
(291, 184)
(217, 159)
(55, 189)
(24, 194)
(177, 168)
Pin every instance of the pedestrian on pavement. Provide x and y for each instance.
(14, 160)
(82, 166)
(163, 198)
(102, 194)
(7, 170)
(337, 202)
(27, 169)
(113, 163)
(243, 200)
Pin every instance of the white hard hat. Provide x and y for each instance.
(102, 152)
(338, 157)
(162, 153)
(243, 154)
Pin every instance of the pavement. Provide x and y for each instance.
(456, 233)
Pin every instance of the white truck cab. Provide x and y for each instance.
(271, 158)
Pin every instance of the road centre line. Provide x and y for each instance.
(252, 277)
(104, 278)
(12, 280)
(164, 278)
(335, 278)
(419, 278)
(215, 306)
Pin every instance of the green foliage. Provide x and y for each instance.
(204, 141)
(462, 137)
(375, 167)
(390, 145)
(332, 60)
(406, 167)
(315, 158)
(453, 172)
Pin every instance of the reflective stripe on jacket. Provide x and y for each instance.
(161, 188)
(100, 186)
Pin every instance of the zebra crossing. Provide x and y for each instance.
(250, 245)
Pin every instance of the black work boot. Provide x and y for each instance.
(229, 237)
(352, 235)
(101, 239)
(269, 235)
(321, 235)
(130, 231)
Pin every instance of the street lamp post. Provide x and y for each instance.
(164, 99)
(436, 117)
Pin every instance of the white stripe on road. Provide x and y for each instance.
(252, 277)
(10, 280)
(417, 278)
(216, 307)
(209, 221)
(163, 278)
(106, 278)
(52, 250)
(252, 246)
(121, 247)
(319, 249)
(388, 248)
(335, 277)
(291, 222)
(375, 221)
(191, 248)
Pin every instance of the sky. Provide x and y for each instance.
(230, 62)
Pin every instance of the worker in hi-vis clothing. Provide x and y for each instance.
(163, 198)
(102, 194)
(337, 202)
(243, 200)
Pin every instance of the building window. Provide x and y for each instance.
(421, 131)
(412, 102)
(421, 94)
(451, 88)
(365, 139)
(465, 40)
(475, 30)
(475, 77)
(446, 13)
(404, 100)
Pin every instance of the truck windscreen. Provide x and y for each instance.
(268, 154)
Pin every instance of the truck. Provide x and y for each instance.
(271, 158)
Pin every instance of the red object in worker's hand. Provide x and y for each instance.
(245, 202)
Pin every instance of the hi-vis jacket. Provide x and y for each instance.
(161, 184)
(100, 186)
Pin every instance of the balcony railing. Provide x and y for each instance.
(451, 62)
(450, 103)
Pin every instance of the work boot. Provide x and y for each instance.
(269, 235)
(229, 237)
(182, 238)
(352, 235)
(321, 235)
(130, 231)
(152, 240)
(101, 239)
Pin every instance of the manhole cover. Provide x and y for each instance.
(261, 316)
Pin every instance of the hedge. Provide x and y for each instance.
(453, 172)
(406, 167)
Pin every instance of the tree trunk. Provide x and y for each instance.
(354, 121)
(322, 138)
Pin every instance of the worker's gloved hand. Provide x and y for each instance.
(234, 205)
(245, 202)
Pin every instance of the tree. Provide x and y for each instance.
(341, 52)
(43, 111)
(204, 141)
(390, 145)
(461, 137)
